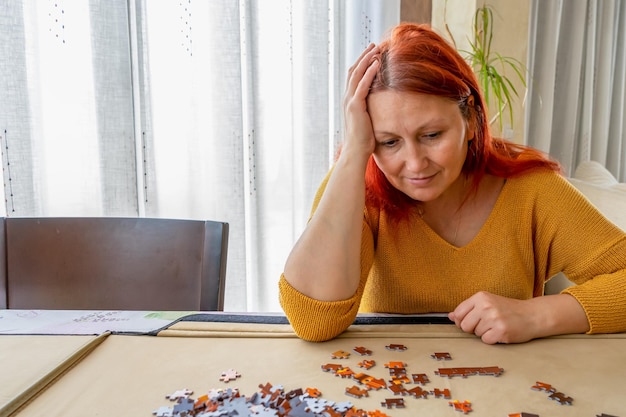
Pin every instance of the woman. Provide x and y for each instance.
(425, 212)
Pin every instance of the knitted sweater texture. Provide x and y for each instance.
(540, 225)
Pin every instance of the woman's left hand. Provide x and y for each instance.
(497, 319)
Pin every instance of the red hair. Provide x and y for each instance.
(416, 59)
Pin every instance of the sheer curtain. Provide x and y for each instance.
(577, 83)
(214, 109)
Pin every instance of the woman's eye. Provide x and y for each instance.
(389, 143)
(433, 135)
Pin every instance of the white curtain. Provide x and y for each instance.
(214, 109)
(577, 82)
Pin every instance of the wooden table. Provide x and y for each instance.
(132, 375)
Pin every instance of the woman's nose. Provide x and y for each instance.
(415, 158)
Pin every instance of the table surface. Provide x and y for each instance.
(128, 375)
(28, 362)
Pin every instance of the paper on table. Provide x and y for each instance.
(84, 322)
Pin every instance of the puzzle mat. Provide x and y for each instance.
(131, 375)
(26, 362)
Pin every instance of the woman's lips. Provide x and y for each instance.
(421, 181)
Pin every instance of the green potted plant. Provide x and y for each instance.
(491, 67)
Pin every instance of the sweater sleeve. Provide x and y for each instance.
(590, 250)
(316, 320)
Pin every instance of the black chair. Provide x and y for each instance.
(111, 263)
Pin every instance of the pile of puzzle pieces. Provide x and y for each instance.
(269, 401)
(275, 401)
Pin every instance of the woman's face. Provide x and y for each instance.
(421, 142)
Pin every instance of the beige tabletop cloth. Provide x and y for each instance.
(132, 375)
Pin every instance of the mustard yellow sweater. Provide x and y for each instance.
(539, 226)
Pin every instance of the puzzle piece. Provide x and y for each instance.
(356, 392)
(229, 375)
(331, 367)
(400, 379)
(163, 412)
(393, 402)
(318, 405)
(465, 372)
(340, 354)
(374, 383)
(344, 372)
(441, 356)
(399, 371)
(542, 386)
(362, 351)
(396, 347)
(354, 412)
(421, 379)
(439, 393)
(181, 393)
(561, 398)
(397, 389)
(343, 407)
(376, 413)
(464, 406)
(184, 405)
(418, 392)
(395, 364)
(367, 364)
(313, 392)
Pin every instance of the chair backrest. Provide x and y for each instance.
(112, 263)
(3, 266)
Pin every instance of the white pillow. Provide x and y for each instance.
(595, 173)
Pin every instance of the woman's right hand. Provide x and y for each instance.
(359, 136)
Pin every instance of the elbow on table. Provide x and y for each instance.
(315, 331)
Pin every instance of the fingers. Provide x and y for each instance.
(476, 315)
(361, 68)
(358, 133)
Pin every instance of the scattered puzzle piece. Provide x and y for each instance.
(356, 392)
(181, 393)
(393, 402)
(344, 372)
(561, 398)
(441, 393)
(441, 356)
(396, 347)
(376, 413)
(374, 383)
(229, 375)
(542, 386)
(397, 389)
(395, 365)
(331, 367)
(313, 392)
(340, 354)
(400, 379)
(421, 379)
(464, 406)
(362, 351)
(163, 412)
(367, 364)
(465, 372)
(417, 392)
